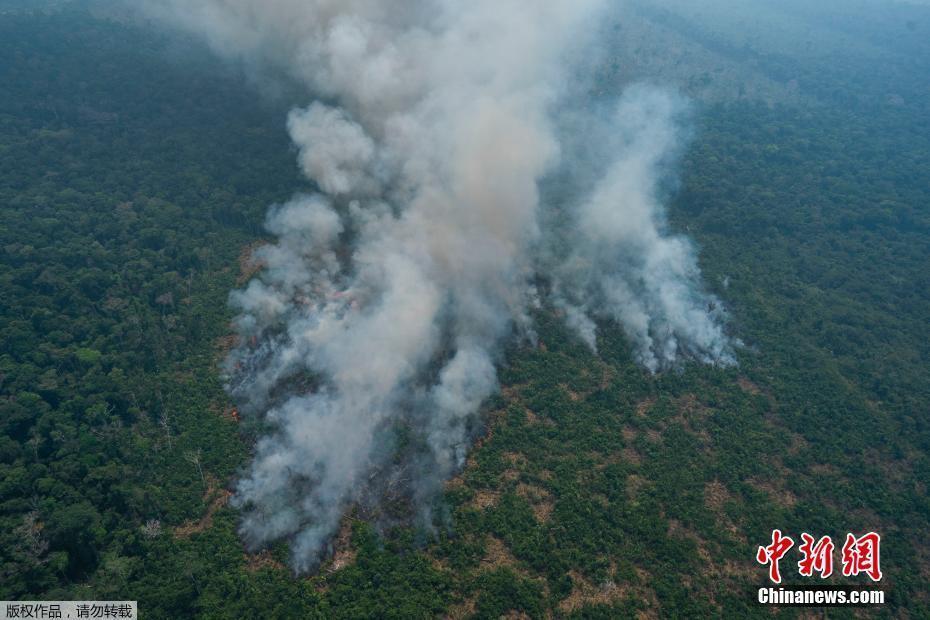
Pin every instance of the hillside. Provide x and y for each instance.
(135, 173)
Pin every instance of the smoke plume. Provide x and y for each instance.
(621, 265)
(369, 339)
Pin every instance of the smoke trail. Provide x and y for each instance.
(370, 336)
(621, 266)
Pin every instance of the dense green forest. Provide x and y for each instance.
(135, 172)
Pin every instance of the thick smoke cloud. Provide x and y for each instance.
(370, 337)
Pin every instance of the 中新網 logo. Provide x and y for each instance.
(859, 555)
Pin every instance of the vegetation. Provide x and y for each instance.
(133, 173)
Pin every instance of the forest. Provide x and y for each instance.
(135, 173)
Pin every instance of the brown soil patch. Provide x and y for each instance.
(225, 344)
(263, 559)
(725, 574)
(715, 496)
(249, 265)
(454, 483)
(515, 459)
(584, 593)
(572, 396)
(462, 611)
(539, 499)
(601, 461)
(690, 410)
(630, 455)
(634, 484)
(895, 470)
(776, 491)
(688, 404)
(643, 407)
(497, 555)
(533, 418)
(647, 595)
(189, 528)
(343, 553)
(798, 443)
(485, 499)
(677, 530)
(824, 469)
(705, 439)
(748, 386)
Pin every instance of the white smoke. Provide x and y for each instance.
(621, 265)
(382, 306)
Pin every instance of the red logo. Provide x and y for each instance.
(859, 555)
(817, 557)
(773, 553)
